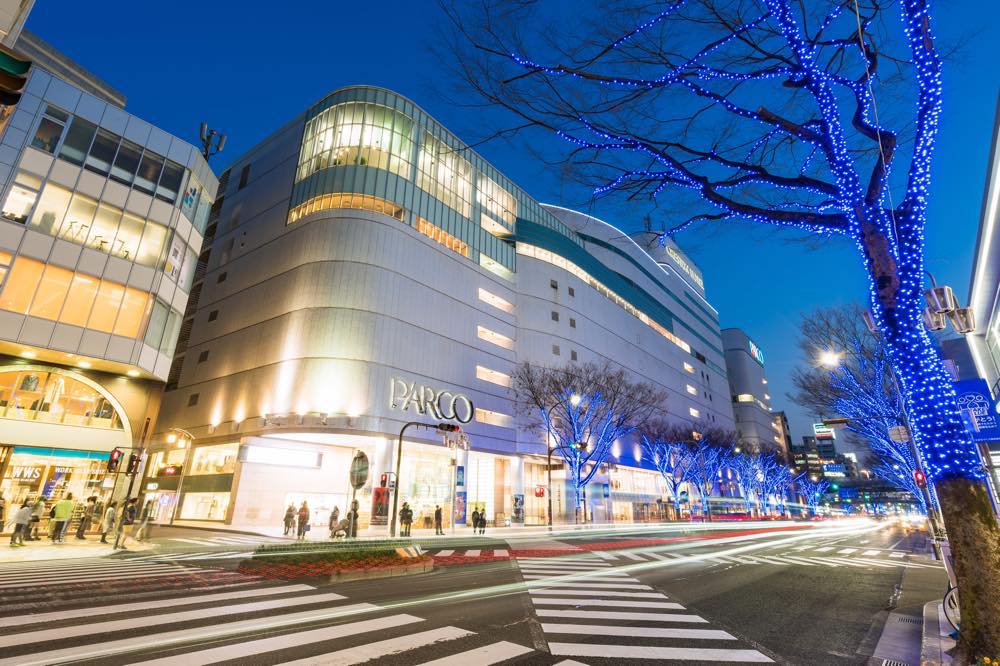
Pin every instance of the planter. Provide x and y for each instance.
(383, 572)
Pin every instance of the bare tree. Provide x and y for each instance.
(670, 445)
(764, 111)
(584, 408)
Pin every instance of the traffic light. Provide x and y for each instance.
(834, 486)
(114, 459)
(920, 478)
(447, 427)
(383, 480)
(13, 75)
(133, 463)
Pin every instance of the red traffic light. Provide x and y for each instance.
(920, 478)
(447, 427)
(114, 458)
(383, 480)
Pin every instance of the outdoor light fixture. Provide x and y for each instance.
(962, 320)
(830, 359)
(934, 321)
(940, 300)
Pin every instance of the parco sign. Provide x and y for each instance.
(437, 403)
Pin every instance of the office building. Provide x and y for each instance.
(755, 425)
(369, 269)
(101, 222)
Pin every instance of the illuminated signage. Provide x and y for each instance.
(436, 403)
(823, 431)
(757, 354)
(685, 266)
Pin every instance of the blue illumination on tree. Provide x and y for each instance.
(812, 491)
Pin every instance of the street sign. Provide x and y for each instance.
(975, 402)
(359, 470)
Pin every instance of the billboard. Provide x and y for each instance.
(976, 404)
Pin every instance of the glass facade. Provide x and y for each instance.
(217, 459)
(444, 173)
(52, 397)
(49, 474)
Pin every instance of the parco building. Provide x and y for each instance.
(368, 269)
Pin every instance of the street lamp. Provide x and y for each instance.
(440, 427)
(574, 399)
(830, 359)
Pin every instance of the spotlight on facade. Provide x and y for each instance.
(171, 438)
(934, 321)
(963, 320)
(941, 299)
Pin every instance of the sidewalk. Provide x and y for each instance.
(40, 551)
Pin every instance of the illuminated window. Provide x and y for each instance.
(694, 412)
(76, 225)
(492, 376)
(493, 418)
(494, 337)
(744, 397)
(54, 397)
(498, 202)
(24, 277)
(445, 174)
(52, 292)
(5, 259)
(493, 226)
(767, 397)
(109, 298)
(357, 133)
(495, 267)
(22, 197)
(132, 312)
(356, 201)
(438, 234)
(51, 208)
(495, 301)
(218, 459)
(82, 293)
(688, 368)
(692, 390)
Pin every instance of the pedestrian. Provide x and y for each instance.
(437, 520)
(89, 514)
(60, 514)
(22, 518)
(3, 509)
(127, 520)
(142, 532)
(108, 522)
(334, 521)
(37, 509)
(303, 521)
(482, 521)
(475, 520)
(289, 519)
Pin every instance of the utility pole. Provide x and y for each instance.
(212, 141)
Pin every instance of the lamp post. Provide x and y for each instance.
(574, 399)
(440, 427)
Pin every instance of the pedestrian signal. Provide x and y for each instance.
(133, 463)
(920, 478)
(114, 459)
(383, 480)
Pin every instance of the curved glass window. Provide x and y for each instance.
(445, 174)
(357, 133)
(35, 395)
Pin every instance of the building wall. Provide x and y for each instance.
(749, 392)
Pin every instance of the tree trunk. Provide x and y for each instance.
(948, 454)
(974, 538)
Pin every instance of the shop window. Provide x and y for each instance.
(51, 208)
(24, 276)
(78, 139)
(102, 152)
(82, 292)
(149, 173)
(216, 459)
(52, 291)
(204, 506)
(49, 130)
(79, 217)
(55, 398)
(126, 163)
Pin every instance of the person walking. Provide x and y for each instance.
(289, 519)
(334, 521)
(87, 518)
(128, 519)
(61, 513)
(303, 521)
(37, 509)
(405, 519)
(437, 520)
(22, 518)
(142, 532)
(108, 522)
(475, 520)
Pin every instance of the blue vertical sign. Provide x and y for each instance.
(976, 404)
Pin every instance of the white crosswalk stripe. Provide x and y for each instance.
(580, 618)
(204, 628)
(94, 571)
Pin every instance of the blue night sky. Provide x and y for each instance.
(248, 72)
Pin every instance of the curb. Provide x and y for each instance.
(935, 643)
(387, 572)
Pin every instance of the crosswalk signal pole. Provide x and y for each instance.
(132, 472)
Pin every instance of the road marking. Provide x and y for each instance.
(824, 549)
(617, 615)
(727, 559)
(94, 579)
(772, 560)
(649, 652)
(897, 555)
(557, 601)
(644, 632)
(583, 583)
(605, 556)
(472, 553)
(852, 563)
(802, 548)
(822, 560)
(800, 560)
(564, 560)
(600, 593)
(629, 555)
(52, 635)
(360, 654)
(500, 553)
(847, 551)
(444, 553)
(55, 616)
(73, 568)
(864, 541)
(188, 634)
(483, 656)
(200, 542)
(880, 563)
(869, 553)
(574, 572)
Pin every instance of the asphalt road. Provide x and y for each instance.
(811, 596)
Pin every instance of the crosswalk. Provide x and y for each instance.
(587, 609)
(287, 624)
(228, 540)
(58, 574)
(799, 555)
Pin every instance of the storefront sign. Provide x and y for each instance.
(169, 470)
(685, 266)
(976, 405)
(380, 506)
(539, 491)
(437, 403)
(359, 470)
(26, 473)
(517, 515)
(460, 475)
(460, 507)
(823, 431)
(757, 354)
(607, 490)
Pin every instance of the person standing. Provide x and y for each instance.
(61, 513)
(303, 521)
(87, 518)
(22, 518)
(36, 519)
(128, 519)
(405, 519)
(108, 522)
(475, 520)
(437, 520)
(334, 521)
(482, 521)
(142, 532)
(289, 519)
